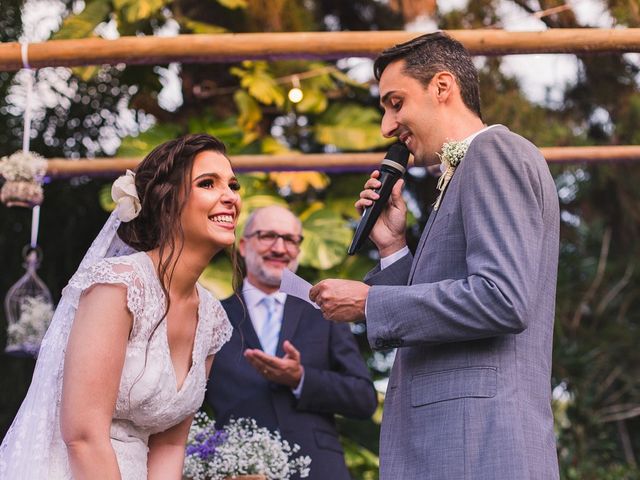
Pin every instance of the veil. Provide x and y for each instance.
(27, 448)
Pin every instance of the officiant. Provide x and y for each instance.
(285, 366)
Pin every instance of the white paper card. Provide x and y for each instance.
(295, 286)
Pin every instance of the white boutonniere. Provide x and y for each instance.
(451, 156)
(124, 193)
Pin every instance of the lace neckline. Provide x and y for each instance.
(165, 333)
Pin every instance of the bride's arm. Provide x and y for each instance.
(166, 449)
(92, 370)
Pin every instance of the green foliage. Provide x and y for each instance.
(233, 4)
(350, 127)
(250, 113)
(134, 11)
(83, 24)
(260, 83)
(363, 464)
(194, 26)
(147, 141)
(326, 237)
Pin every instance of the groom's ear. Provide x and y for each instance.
(241, 246)
(443, 84)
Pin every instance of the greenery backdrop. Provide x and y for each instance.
(126, 110)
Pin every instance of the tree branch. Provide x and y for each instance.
(588, 296)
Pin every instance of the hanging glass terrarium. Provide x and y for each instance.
(29, 309)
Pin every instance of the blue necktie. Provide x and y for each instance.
(271, 330)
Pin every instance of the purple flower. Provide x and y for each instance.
(205, 443)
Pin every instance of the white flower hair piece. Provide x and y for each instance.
(451, 156)
(124, 193)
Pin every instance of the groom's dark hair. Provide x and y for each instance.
(429, 54)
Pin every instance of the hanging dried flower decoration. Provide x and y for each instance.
(23, 173)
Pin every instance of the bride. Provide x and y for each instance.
(123, 366)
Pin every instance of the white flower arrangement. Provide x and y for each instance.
(124, 193)
(26, 334)
(23, 167)
(23, 172)
(451, 156)
(240, 448)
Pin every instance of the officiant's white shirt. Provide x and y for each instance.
(253, 297)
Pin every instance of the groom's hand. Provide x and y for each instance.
(340, 300)
(286, 370)
(388, 232)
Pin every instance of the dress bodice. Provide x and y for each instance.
(149, 400)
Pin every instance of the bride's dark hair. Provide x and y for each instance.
(163, 183)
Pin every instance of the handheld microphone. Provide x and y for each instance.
(391, 170)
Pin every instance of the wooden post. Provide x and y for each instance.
(362, 162)
(228, 47)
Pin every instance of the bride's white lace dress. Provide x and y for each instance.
(150, 400)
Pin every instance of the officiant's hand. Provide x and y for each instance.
(340, 300)
(388, 232)
(286, 370)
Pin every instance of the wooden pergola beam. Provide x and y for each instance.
(329, 161)
(208, 48)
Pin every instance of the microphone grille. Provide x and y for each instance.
(398, 153)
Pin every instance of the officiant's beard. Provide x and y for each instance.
(263, 273)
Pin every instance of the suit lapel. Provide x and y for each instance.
(422, 242)
(242, 321)
(290, 320)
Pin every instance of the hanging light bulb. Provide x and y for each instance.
(295, 94)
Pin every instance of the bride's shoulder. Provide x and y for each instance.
(130, 270)
(135, 264)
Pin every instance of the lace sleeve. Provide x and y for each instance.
(113, 271)
(220, 325)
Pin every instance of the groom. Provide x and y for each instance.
(471, 311)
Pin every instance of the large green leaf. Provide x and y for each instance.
(147, 141)
(233, 4)
(326, 238)
(250, 113)
(200, 27)
(260, 83)
(84, 23)
(226, 130)
(86, 73)
(272, 146)
(133, 11)
(350, 127)
(313, 101)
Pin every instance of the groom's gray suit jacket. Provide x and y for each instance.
(472, 316)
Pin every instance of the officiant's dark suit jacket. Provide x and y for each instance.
(336, 381)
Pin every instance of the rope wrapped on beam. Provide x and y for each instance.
(343, 162)
(228, 47)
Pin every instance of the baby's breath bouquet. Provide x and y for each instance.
(240, 448)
